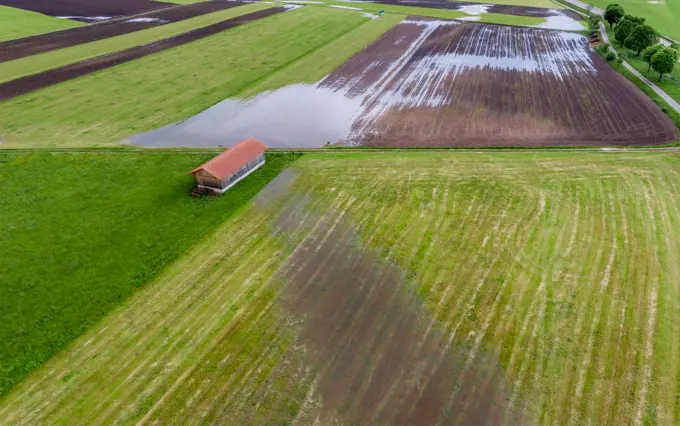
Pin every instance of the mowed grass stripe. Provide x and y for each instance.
(548, 259)
(19, 23)
(46, 61)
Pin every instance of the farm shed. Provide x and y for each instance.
(231, 166)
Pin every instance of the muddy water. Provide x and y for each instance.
(378, 356)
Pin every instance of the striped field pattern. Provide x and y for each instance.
(403, 288)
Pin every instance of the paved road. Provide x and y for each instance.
(671, 102)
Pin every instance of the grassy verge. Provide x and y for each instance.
(19, 23)
(571, 6)
(106, 106)
(662, 15)
(58, 58)
(81, 232)
(560, 268)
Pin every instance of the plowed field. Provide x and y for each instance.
(413, 289)
(436, 83)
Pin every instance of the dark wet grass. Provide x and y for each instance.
(379, 357)
(81, 232)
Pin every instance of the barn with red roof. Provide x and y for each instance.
(231, 166)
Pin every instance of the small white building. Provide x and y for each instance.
(231, 166)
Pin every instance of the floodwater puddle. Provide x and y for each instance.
(561, 22)
(296, 116)
(345, 7)
(134, 20)
(474, 9)
(86, 19)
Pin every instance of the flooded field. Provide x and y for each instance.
(402, 288)
(444, 83)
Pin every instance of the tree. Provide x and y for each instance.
(649, 52)
(613, 14)
(623, 30)
(641, 38)
(665, 60)
(634, 19)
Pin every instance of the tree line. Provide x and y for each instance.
(632, 32)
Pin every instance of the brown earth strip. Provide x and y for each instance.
(41, 80)
(15, 49)
(538, 12)
(87, 8)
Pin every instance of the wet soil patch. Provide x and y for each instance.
(379, 357)
(15, 49)
(30, 83)
(487, 85)
(87, 8)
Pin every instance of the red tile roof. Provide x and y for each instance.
(232, 159)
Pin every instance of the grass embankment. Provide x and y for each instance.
(104, 107)
(81, 232)
(662, 15)
(45, 61)
(19, 23)
(564, 267)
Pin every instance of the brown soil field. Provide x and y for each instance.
(15, 49)
(441, 83)
(87, 8)
(490, 8)
(30, 83)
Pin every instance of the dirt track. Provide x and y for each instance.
(538, 12)
(30, 83)
(437, 83)
(87, 8)
(15, 49)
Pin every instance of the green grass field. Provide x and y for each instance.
(19, 23)
(58, 58)
(81, 232)
(662, 15)
(552, 278)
